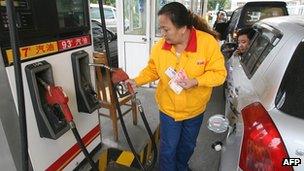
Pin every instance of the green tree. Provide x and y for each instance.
(106, 2)
(223, 4)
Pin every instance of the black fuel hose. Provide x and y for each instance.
(124, 128)
(143, 116)
(82, 147)
(128, 137)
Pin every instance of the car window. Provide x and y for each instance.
(95, 14)
(108, 13)
(262, 43)
(254, 14)
(234, 19)
(290, 97)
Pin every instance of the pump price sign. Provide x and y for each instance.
(43, 49)
(73, 42)
(29, 52)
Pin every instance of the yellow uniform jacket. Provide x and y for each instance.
(202, 60)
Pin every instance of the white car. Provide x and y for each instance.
(265, 100)
(109, 13)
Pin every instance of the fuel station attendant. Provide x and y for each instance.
(188, 63)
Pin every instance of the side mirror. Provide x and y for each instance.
(218, 123)
(228, 49)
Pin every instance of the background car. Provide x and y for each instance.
(229, 14)
(98, 42)
(265, 99)
(109, 13)
(250, 13)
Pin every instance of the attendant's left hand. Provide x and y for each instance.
(187, 83)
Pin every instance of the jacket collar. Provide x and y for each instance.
(192, 43)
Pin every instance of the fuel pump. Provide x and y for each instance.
(118, 78)
(32, 47)
(55, 95)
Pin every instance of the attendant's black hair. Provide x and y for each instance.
(180, 17)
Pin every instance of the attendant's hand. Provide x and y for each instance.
(187, 83)
(131, 82)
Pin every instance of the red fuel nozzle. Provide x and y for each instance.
(119, 76)
(55, 95)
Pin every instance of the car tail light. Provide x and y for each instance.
(262, 147)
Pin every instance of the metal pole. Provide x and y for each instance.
(14, 38)
(104, 30)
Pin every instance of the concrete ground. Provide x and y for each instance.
(204, 157)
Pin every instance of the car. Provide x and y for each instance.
(110, 17)
(265, 99)
(98, 42)
(109, 13)
(229, 14)
(250, 13)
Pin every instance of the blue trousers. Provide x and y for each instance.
(177, 142)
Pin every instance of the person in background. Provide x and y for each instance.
(221, 17)
(188, 63)
(220, 24)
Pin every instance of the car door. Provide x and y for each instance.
(241, 91)
(288, 115)
(229, 33)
